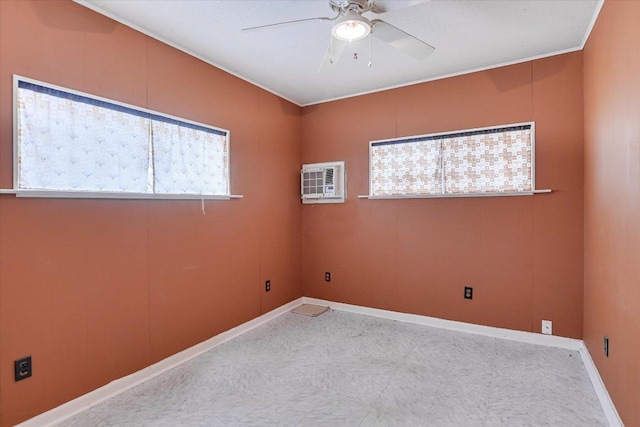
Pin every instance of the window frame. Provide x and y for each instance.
(92, 194)
(441, 135)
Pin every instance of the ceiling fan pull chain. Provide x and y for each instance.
(331, 50)
(369, 51)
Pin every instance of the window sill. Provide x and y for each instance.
(449, 196)
(54, 194)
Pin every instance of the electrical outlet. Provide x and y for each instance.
(23, 368)
(267, 286)
(327, 277)
(547, 326)
(606, 346)
(468, 292)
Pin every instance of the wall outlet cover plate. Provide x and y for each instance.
(23, 368)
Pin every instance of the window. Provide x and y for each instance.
(475, 162)
(71, 142)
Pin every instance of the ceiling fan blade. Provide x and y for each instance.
(296, 21)
(333, 54)
(400, 40)
(382, 6)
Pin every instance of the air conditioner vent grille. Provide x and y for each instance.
(312, 182)
(328, 180)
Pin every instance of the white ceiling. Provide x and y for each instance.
(468, 35)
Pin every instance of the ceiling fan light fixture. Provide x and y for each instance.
(351, 26)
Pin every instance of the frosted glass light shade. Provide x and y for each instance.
(351, 27)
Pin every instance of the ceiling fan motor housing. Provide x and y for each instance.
(359, 6)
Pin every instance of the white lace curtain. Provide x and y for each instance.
(188, 160)
(70, 145)
(406, 168)
(73, 143)
(488, 162)
(497, 160)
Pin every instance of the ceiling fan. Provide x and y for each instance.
(350, 26)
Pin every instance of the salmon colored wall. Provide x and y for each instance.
(97, 289)
(612, 202)
(522, 255)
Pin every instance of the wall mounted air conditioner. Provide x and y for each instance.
(323, 183)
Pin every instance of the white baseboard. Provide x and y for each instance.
(84, 402)
(527, 337)
(521, 336)
(601, 391)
